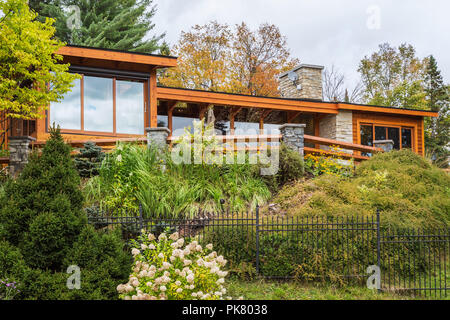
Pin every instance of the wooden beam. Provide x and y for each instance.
(117, 56)
(292, 115)
(341, 144)
(235, 100)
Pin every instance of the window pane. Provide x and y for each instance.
(367, 135)
(394, 135)
(406, 138)
(183, 117)
(129, 107)
(380, 133)
(179, 124)
(98, 104)
(163, 121)
(67, 113)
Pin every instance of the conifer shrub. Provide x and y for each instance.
(42, 219)
(89, 160)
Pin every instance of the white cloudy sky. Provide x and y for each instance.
(325, 32)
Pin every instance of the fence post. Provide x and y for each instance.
(378, 245)
(257, 239)
(141, 220)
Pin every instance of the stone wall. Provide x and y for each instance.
(308, 85)
(337, 127)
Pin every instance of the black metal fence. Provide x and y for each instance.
(337, 249)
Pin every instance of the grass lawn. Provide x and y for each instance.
(273, 290)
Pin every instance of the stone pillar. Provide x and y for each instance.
(157, 137)
(293, 136)
(19, 151)
(386, 145)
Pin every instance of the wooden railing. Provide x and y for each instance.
(260, 140)
(318, 141)
(357, 148)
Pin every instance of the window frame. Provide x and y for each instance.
(114, 133)
(387, 126)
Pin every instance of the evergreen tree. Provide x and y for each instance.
(437, 129)
(89, 160)
(52, 9)
(43, 225)
(110, 24)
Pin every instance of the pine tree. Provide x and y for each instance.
(109, 24)
(89, 160)
(437, 129)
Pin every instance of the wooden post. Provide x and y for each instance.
(170, 108)
(153, 101)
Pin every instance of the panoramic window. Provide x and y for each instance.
(91, 104)
(67, 113)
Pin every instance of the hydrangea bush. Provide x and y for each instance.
(167, 268)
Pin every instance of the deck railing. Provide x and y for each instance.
(257, 143)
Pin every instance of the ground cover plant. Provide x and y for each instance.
(407, 189)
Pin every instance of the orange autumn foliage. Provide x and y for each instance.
(219, 58)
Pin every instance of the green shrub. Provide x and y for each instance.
(89, 161)
(42, 219)
(291, 165)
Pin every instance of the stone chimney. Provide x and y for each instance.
(303, 82)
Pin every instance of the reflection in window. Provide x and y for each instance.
(67, 113)
(98, 104)
(367, 138)
(129, 107)
(181, 123)
(394, 135)
(380, 133)
(406, 138)
(367, 135)
(163, 121)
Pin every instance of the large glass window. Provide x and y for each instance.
(67, 113)
(98, 104)
(89, 107)
(402, 137)
(129, 107)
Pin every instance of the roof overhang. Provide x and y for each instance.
(388, 110)
(303, 105)
(114, 59)
(238, 100)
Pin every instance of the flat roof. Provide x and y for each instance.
(291, 104)
(114, 59)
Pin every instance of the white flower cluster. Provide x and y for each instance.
(166, 268)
